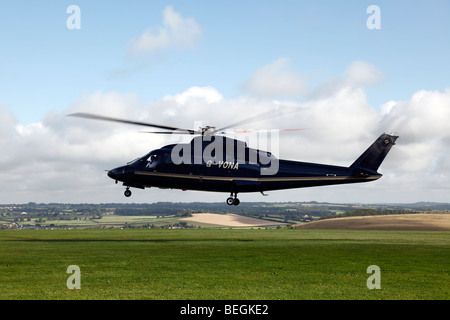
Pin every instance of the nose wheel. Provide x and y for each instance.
(127, 192)
(233, 200)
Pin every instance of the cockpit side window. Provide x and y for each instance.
(153, 160)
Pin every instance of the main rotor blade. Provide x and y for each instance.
(261, 116)
(173, 132)
(139, 123)
(268, 130)
(257, 117)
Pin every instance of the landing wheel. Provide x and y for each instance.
(127, 193)
(233, 200)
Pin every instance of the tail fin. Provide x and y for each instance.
(371, 159)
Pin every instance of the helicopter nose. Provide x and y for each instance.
(112, 174)
(115, 174)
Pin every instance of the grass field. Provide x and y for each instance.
(286, 264)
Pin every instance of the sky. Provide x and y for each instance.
(344, 71)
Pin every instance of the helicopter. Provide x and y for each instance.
(213, 162)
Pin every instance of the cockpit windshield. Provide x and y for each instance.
(143, 158)
(133, 161)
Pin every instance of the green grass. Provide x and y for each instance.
(223, 264)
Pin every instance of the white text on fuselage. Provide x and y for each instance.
(223, 164)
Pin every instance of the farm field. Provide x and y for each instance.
(200, 220)
(231, 264)
(418, 222)
(230, 220)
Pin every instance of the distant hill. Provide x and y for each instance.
(60, 215)
(423, 206)
(419, 222)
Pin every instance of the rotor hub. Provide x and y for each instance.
(208, 130)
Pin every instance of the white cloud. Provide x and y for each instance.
(275, 80)
(210, 94)
(176, 31)
(357, 76)
(361, 73)
(423, 122)
(63, 159)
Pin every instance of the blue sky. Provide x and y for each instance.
(44, 66)
(238, 56)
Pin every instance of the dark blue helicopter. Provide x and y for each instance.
(212, 162)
